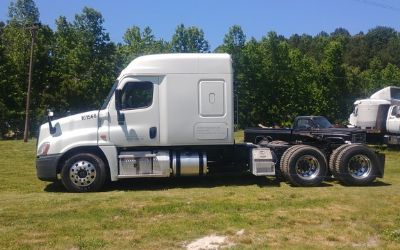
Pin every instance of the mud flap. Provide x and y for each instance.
(381, 167)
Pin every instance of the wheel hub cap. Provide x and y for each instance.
(82, 173)
(307, 167)
(359, 166)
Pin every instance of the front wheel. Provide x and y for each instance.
(83, 172)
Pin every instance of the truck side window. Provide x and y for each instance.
(394, 111)
(136, 95)
(304, 123)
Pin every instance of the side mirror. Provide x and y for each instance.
(118, 98)
(118, 106)
(50, 114)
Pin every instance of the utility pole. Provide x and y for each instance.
(32, 31)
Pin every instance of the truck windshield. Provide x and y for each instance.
(105, 102)
(395, 93)
(322, 122)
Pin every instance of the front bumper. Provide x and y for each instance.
(46, 167)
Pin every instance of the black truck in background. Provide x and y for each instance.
(307, 130)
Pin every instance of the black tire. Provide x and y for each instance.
(333, 157)
(285, 160)
(356, 165)
(83, 172)
(303, 165)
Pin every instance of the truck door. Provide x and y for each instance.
(393, 120)
(138, 121)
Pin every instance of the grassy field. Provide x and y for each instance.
(170, 213)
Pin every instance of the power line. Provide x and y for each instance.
(379, 5)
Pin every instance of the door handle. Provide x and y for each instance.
(153, 132)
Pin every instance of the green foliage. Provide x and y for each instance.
(275, 78)
(85, 62)
(23, 12)
(138, 43)
(189, 40)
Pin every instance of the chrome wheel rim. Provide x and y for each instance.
(82, 173)
(359, 166)
(307, 167)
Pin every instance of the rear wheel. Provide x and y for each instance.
(333, 157)
(83, 172)
(304, 165)
(356, 165)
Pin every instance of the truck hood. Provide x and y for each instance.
(77, 121)
(69, 130)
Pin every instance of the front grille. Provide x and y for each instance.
(359, 138)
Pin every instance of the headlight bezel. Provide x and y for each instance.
(43, 149)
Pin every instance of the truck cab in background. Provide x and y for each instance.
(379, 115)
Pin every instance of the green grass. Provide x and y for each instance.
(239, 136)
(170, 213)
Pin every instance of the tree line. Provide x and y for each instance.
(276, 78)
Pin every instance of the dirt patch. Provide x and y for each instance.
(372, 242)
(210, 242)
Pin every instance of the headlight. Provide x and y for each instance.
(43, 149)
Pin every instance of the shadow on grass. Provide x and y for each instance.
(377, 183)
(373, 184)
(179, 182)
(323, 184)
(143, 184)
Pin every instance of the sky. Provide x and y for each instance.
(257, 17)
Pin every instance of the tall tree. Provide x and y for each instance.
(4, 79)
(85, 61)
(234, 42)
(342, 32)
(357, 54)
(189, 40)
(333, 81)
(137, 43)
(23, 14)
(378, 37)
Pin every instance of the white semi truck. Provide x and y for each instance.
(172, 115)
(379, 115)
